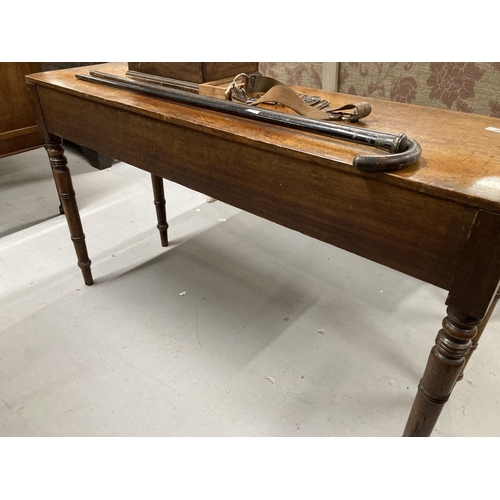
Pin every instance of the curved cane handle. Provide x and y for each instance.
(388, 163)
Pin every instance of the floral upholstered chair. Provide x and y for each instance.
(469, 87)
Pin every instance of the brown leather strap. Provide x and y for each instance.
(351, 112)
(275, 92)
(258, 83)
(287, 97)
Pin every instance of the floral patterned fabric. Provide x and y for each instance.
(307, 74)
(470, 87)
(462, 86)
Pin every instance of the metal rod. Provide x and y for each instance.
(404, 151)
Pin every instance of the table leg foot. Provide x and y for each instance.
(161, 212)
(445, 363)
(86, 272)
(62, 178)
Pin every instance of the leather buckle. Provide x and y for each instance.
(237, 91)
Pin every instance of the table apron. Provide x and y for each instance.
(412, 232)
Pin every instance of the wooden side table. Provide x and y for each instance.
(438, 221)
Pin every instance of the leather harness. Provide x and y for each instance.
(258, 89)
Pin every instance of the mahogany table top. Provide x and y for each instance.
(460, 151)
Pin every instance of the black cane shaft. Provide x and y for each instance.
(381, 140)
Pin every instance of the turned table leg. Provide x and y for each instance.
(64, 185)
(480, 331)
(160, 204)
(471, 298)
(445, 364)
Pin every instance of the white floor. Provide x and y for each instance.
(239, 328)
